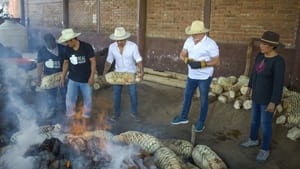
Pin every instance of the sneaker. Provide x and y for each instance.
(114, 118)
(250, 143)
(199, 127)
(135, 117)
(179, 120)
(199, 130)
(262, 156)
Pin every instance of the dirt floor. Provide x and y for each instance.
(226, 127)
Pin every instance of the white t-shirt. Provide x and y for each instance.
(204, 50)
(127, 61)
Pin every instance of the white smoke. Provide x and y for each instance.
(119, 154)
(15, 81)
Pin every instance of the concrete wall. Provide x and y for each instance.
(232, 22)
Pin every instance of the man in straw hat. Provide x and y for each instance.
(126, 55)
(81, 63)
(201, 54)
(265, 86)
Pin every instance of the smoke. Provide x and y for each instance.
(25, 131)
(15, 84)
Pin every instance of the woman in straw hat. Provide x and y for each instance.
(265, 85)
(126, 55)
(80, 61)
(201, 54)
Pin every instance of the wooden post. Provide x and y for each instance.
(248, 57)
(295, 81)
(207, 12)
(141, 25)
(65, 13)
(193, 135)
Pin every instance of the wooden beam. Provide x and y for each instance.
(167, 74)
(165, 80)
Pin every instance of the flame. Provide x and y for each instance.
(79, 125)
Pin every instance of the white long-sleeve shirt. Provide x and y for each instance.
(127, 61)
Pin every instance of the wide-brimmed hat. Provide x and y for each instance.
(119, 34)
(271, 38)
(197, 27)
(67, 34)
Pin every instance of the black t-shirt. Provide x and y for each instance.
(52, 61)
(80, 65)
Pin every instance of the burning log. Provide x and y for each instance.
(206, 158)
(102, 134)
(51, 153)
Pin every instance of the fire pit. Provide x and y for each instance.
(129, 150)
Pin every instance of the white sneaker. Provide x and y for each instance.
(262, 155)
(250, 143)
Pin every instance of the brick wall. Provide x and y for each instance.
(83, 15)
(115, 13)
(44, 13)
(232, 24)
(237, 21)
(168, 18)
(231, 21)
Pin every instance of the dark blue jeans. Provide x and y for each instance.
(191, 86)
(117, 90)
(261, 118)
(56, 98)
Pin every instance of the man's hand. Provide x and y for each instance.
(62, 82)
(196, 64)
(185, 60)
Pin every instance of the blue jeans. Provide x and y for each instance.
(56, 98)
(191, 86)
(117, 90)
(72, 96)
(263, 118)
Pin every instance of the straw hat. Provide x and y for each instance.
(197, 27)
(119, 34)
(271, 38)
(67, 34)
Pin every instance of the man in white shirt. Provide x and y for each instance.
(127, 58)
(201, 54)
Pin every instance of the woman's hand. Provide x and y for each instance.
(271, 107)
